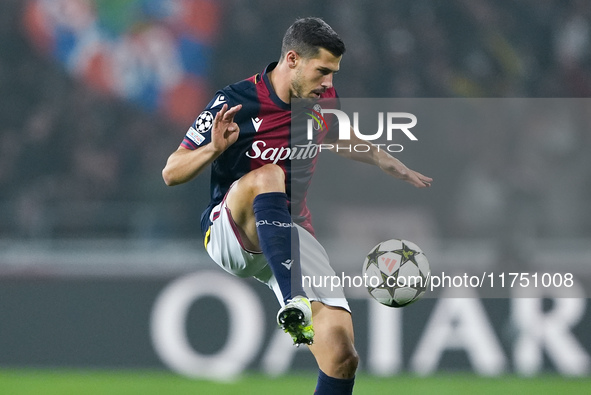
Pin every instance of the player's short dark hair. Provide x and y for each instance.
(307, 35)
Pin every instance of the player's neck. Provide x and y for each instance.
(280, 81)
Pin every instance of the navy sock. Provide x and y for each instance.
(279, 241)
(333, 386)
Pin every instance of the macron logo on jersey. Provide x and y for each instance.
(287, 264)
(218, 100)
(256, 122)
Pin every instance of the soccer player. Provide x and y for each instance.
(254, 224)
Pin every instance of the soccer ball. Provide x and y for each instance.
(396, 273)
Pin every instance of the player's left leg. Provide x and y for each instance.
(334, 350)
(259, 208)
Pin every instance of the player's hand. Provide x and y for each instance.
(225, 131)
(397, 169)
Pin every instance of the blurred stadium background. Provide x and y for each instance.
(101, 265)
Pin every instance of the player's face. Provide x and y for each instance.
(312, 77)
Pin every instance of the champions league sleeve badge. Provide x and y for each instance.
(203, 124)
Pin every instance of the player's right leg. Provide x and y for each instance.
(334, 350)
(258, 207)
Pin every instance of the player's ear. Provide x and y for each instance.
(292, 58)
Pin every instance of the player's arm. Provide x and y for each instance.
(184, 164)
(382, 159)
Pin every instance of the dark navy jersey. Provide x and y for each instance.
(265, 137)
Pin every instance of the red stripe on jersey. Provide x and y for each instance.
(188, 144)
(273, 138)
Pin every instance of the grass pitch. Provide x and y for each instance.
(63, 382)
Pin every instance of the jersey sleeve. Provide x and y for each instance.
(199, 134)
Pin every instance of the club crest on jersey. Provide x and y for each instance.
(316, 114)
(204, 122)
